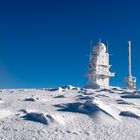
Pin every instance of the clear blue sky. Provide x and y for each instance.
(46, 43)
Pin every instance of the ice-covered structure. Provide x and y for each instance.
(99, 74)
(130, 80)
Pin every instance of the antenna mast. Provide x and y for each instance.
(107, 47)
(130, 80)
(100, 41)
(129, 58)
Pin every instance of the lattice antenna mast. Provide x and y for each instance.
(130, 80)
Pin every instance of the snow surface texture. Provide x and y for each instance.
(69, 113)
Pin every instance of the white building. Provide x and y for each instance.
(99, 74)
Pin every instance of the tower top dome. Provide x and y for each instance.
(100, 47)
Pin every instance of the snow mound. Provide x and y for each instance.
(98, 111)
(1, 101)
(56, 89)
(64, 88)
(129, 114)
(116, 88)
(106, 90)
(43, 118)
(5, 113)
(32, 99)
(37, 117)
(84, 97)
(70, 87)
(70, 113)
(120, 101)
(112, 111)
(131, 96)
(60, 96)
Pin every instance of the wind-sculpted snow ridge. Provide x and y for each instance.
(96, 109)
(133, 95)
(32, 98)
(38, 117)
(70, 113)
(129, 114)
(64, 88)
(42, 117)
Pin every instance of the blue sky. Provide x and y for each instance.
(47, 43)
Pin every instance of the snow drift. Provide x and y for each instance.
(69, 113)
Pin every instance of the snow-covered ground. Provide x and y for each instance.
(69, 113)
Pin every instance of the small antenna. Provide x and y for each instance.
(107, 47)
(91, 45)
(100, 40)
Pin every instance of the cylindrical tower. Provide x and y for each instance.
(99, 74)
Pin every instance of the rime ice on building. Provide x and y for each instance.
(99, 74)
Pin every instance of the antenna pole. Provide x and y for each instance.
(107, 46)
(100, 40)
(130, 80)
(91, 46)
(129, 58)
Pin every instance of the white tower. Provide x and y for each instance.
(130, 80)
(99, 74)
